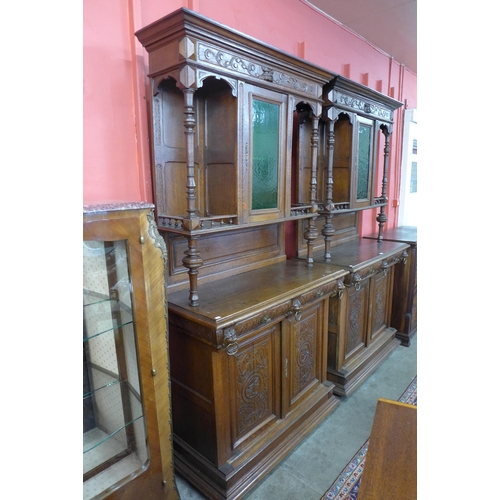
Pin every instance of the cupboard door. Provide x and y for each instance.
(358, 302)
(255, 385)
(304, 353)
(381, 285)
(266, 162)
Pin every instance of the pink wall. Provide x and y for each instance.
(116, 142)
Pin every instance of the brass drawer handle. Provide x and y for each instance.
(232, 348)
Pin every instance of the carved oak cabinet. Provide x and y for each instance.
(249, 374)
(233, 121)
(359, 333)
(356, 122)
(404, 303)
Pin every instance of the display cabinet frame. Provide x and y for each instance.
(141, 274)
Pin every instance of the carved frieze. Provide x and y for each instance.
(362, 105)
(246, 67)
(285, 309)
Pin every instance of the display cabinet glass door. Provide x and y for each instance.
(114, 431)
(364, 164)
(266, 154)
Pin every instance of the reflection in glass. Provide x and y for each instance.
(265, 151)
(114, 435)
(364, 146)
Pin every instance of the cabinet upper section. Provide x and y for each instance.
(343, 95)
(243, 133)
(189, 48)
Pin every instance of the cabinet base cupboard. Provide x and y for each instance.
(404, 303)
(359, 333)
(249, 374)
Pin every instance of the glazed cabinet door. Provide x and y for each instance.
(266, 161)
(304, 354)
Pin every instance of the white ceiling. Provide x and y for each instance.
(390, 25)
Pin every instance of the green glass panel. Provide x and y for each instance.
(265, 151)
(364, 146)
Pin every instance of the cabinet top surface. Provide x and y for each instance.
(360, 253)
(405, 234)
(253, 291)
(114, 207)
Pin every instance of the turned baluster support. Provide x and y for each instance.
(313, 189)
(189, 124)
(382, 217)
(328, 229)
(311, 233)
(192, 261)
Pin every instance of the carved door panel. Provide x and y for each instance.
(255, 385)
(380, 307)
(303, 356)
(358, 302)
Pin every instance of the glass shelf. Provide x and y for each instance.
(114, 431)
(105, 316)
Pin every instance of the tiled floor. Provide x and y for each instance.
(309, 470)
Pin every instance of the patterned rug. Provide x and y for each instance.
(346, 486)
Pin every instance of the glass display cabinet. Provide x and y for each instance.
(126, 404)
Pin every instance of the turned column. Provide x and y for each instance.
(328, 229)
(192, 260)
(311, 233)
(382, 216)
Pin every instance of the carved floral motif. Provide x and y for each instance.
(355, 326)
(379, 305)
(363, 106)
(253, 392)
(242, 65)
(304, 355)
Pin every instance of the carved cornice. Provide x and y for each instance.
(362, 105)
(244, 66)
